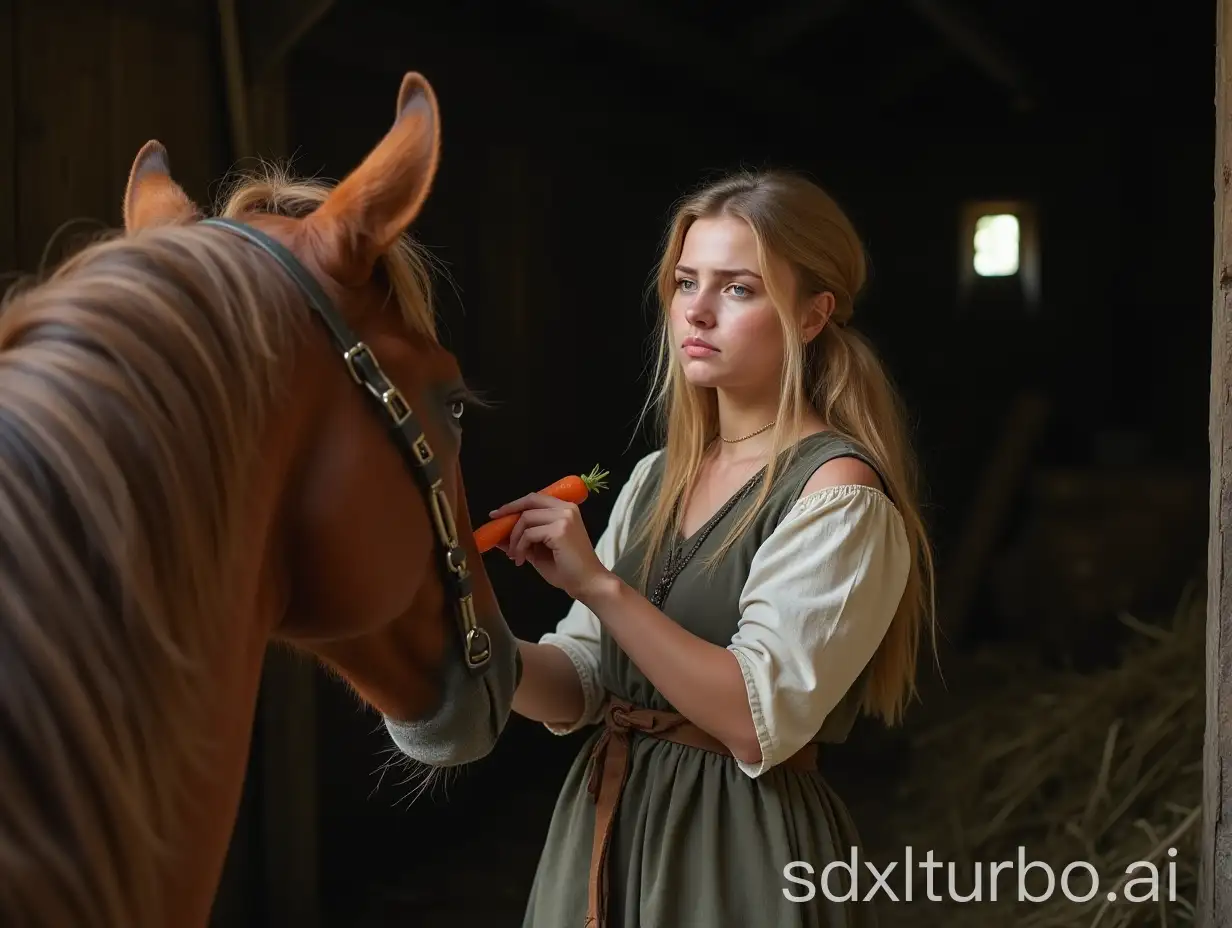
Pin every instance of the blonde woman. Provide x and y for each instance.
(763, 578)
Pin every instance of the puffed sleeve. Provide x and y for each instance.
(577, 634)
(819, 598)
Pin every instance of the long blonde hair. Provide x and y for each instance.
(838, 374)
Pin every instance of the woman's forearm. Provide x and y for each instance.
(550, 690)
(702, 680)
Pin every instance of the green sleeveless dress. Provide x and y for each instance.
(697, 842)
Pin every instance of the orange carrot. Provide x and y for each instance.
(572, 489)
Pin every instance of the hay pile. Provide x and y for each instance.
(1103, 767)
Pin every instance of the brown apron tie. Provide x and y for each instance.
(609, 760)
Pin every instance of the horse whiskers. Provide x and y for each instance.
(424, 776)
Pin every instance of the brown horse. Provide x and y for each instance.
(200, 453)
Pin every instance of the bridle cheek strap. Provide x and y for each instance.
(405, 431)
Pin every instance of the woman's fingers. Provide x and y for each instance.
(528, 518)
(529, 501)
(533, 535)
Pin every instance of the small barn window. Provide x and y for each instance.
(995, 245)
(999, 256)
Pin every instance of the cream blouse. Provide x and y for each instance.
(820, 595)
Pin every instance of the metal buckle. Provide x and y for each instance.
(421, 449)
(478, 642)
(398, 408)
(390, 396)
(359, 350)
(442, 515)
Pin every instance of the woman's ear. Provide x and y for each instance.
(817, 313)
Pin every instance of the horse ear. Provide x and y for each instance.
(367, 212)
(151, 197)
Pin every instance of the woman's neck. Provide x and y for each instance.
(746, 424)
(741, 417)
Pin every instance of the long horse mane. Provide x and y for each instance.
(135, 385)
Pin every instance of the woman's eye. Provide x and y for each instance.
(684, 284)
(456, 408)
(742, 290)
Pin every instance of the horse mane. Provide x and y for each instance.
(135, 386)
(407, 269)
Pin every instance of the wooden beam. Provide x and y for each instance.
(782, 30)
(285, 755)
(650, 32)
(978, 45)
(654, 33)
(267, 115)
(271, 28)
(1215, 874)
(288, 763)
(1002, 477)
(235, 84)
(192, 14)
(380, 38)
(157, 69)
(8, 143)
(68, 187)
(908, 75)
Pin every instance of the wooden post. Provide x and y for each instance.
(272, 28)
(1002, 477)
(979, 47)
(284, 752)
(1215, 876)
(8, 144)
(63, 113)
(288, 707)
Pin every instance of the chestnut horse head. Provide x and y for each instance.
(216, 434)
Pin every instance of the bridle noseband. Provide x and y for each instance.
(405, 431)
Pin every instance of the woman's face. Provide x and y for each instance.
(724, 328)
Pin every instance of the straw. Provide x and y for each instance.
(1104, 767)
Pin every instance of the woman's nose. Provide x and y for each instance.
(698, 313)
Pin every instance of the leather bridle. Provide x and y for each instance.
(405, 431)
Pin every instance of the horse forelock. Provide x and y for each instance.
(134, 389)
(407, 268)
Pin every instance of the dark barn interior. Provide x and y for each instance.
(1060, 414)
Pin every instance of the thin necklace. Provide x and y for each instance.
(732, 441)
(677, 559)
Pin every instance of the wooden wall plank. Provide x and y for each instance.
(162, 79)
(63, 114)
(161, 72)
(1215, 875)
(83, 84)
(272, 28)
(287, 756)
(267, 115)
(285, 748)
(8, 141)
